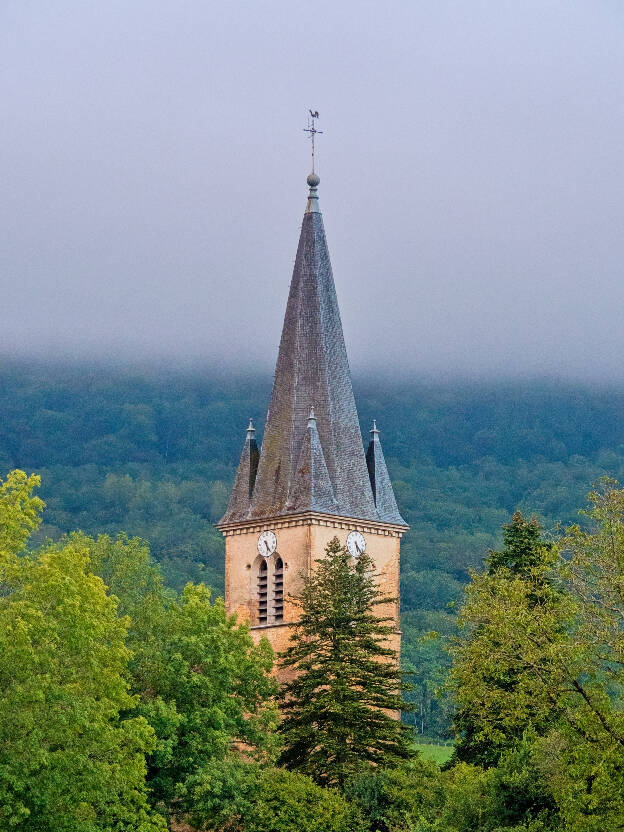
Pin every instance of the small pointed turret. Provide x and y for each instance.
(240, 499)
(385, 501)
(313, 489)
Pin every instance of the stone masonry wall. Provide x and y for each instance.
(299, 542)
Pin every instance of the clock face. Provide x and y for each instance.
(356, 544)
(267, 544)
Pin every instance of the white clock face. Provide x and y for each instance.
(267, 544)
(356, 544)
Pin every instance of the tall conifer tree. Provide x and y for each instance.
(524, 546)
(338, 709)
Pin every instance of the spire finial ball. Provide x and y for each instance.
(313, 180)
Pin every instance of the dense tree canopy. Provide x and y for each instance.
(70, 761)
(147, 704)
(541, 661)
(514, 620)
(153, 454)
(237, 795)
(115, 692)
(201, 683)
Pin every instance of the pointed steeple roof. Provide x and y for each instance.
(312, 371)
(240, 498)
(385, 501)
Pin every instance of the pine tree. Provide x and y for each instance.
(339, 710)
(523, 546)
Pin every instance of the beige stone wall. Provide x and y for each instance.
(300, 541)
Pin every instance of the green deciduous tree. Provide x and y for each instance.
(20, 512)
(336, 710)
(201, 682)
(396, 799)
(99, 673)
(70, 758)
(205, 688)
(237, 796)
(513, 654)
(464, 798)
(587, 772)
(544, 658)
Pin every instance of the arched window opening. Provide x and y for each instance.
(262, 592)
(278, 590)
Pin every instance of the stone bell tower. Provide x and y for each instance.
(311, 480)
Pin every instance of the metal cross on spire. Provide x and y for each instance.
(311, 129)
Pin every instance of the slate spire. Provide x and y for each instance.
(312, 371)
(240, 498)
(385, 501)
(312, 458)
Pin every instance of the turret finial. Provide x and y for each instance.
(374, 431)
(311, 419)
(251, 431)
(313, 181)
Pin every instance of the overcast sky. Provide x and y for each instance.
(153, 172)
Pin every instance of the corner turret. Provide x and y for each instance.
(240, 499)
(383, 493)
(313, 489)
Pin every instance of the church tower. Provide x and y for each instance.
(311, 480)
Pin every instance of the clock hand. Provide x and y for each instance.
(266, 545)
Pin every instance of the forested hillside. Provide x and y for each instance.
(153, 454)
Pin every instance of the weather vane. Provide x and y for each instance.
(311, 129)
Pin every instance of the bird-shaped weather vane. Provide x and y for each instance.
(311, 129)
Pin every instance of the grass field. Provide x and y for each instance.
(438, 753)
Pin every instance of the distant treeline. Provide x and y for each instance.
(154, 454)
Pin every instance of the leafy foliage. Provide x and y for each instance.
(241, 797)
(71, 760)
(541, 652)
(392, 799)
(464, 798)
(588, 777)
(509, 664)
(202, 684)
(543, 664)
(110, 694)
(20, 512)
(153, 454)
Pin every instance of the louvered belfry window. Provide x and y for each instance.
(263, 586)
(278, 590)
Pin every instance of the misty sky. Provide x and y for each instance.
(153, 172)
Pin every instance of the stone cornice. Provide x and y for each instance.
(278, 624)
(313, 518)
